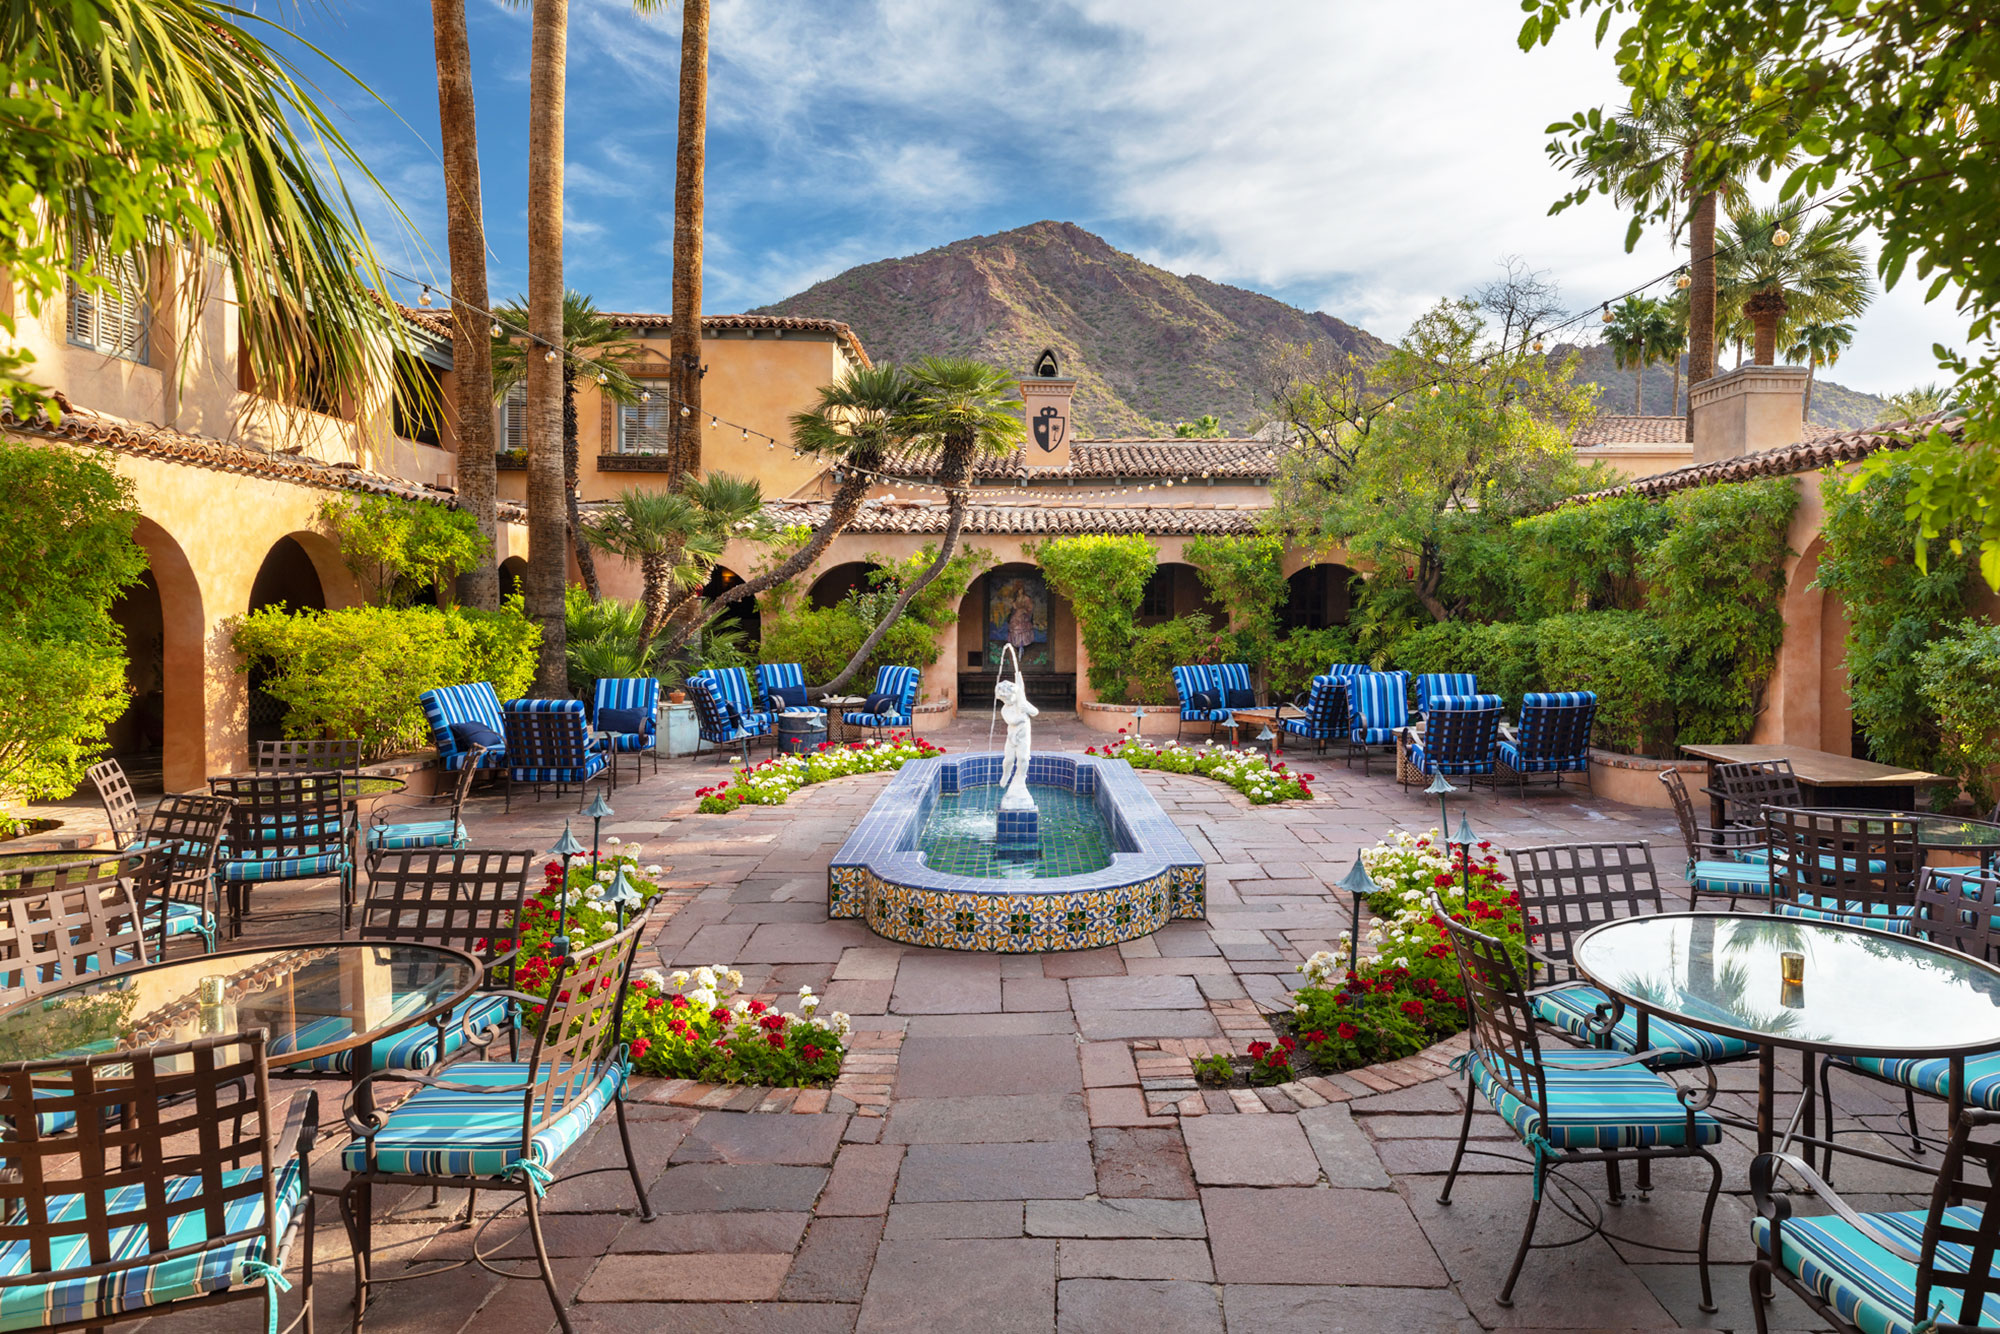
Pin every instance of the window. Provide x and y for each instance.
(1158, 599)
(643, 427)
(113, 320)
(514, 420)
(419, 404)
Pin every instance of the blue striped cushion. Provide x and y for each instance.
(327, 1028)
(1626, 1107)
(1347, 669)
(1852, 912)
(1870, 1287)
(416, 1047)
(1545, 716)
(629, 692)
(1326, 710)
(631, 741)
(475, 702)
(183, 919)
(1511, 756)
(302, 867)
(900, 682)
(417, 834)
(1378, 704)
(1572, 1008)
(444, 1132)
(1731, 878)
(1982, 1075)
(1432, 685)
(1227, 676)
(593, 764)
(78, 1300)
(1460, 737)
(786, 674)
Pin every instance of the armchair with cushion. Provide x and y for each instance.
(784, 687)
(893, 701)
(1731, 862)
(549, 741)
(1827, 866)
(1231, 681)
(1552, 738)
(733, 685)
(1325, 707)
(719, 722)
(291, 826)
(462, 717)
(180, 899)
(1201, 701)
(1461, 738)
(429, 822)
(61, 921)
(627, 710)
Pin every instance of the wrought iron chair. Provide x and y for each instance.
(1830, 867)
(504, 1125)
(1552, 738)
(121, 804)
(1891, 1272)
(435, 821)
(1748, 787)
(462, 717)
(733, 685)
(1379, 708)
(1435, 685)
(1731, 862)
(897, 688)
(1325, 707)
(181, 898)
(1567, 1106)
(292, 826)
(715, 724)
(61, 921)
(96, 1234)
(789, 677)
(1566, 889)
(1956, 909)
(549, 742)
(1461, 737)
(312, 755)
(628, 700)
(1200, 699)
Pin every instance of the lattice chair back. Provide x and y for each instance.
(546, 734)
(1504, 1035)
(463, 898)
(1677, 792)
(187, 830)
(473, 702)
(1555, 726)
(316, 755)
(61, 922)
(1858, 869)
(1326, 707)
(1433, 685)
(1568, 888)
(171, 1208)
(629, 692)
(1959, 909)
(1749, 786)
(286, 816)
(121, 806)
(711, 717)
(1968, 1184)
(1462, 734)
(1379, 703)
(579, 1037)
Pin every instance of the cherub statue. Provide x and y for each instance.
(1015, 711)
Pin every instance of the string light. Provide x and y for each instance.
(1683, 281)
(551, 355)
(645, 395)
(1607, 312)
(496, 328)
(603, 378)
(1781, 237)
(686, 411)
(424, 297)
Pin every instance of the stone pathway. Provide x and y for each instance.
(1016, 1145)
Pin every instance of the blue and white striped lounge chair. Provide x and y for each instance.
(1348, 669)
(1378, 705)
(1731, 862)
(1232, 681)
(789, 677)
(549, 741)
(1461, 738)
(1326, 712)
(1567, 1107)
(506, 1125)
(288, 826)
(1552, 738)
(900, 684)
(475, 702)
(733, 684)
(718, 722)
(1430, 685)
(1195, 686)
(633, 694)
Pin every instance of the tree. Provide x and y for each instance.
(1640, 333)
(1917, 401)
(1817, 343)
(471, 350)
(675, 538)
(690, 164)
(548, 518)
(592, 346)
(1675, 307)
(1778, 270)
(1205, 427)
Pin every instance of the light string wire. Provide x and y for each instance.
(992, 495)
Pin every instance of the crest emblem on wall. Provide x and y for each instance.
(1050, 425)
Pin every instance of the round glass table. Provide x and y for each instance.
(1861, 993)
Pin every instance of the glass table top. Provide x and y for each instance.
(1864, 991)
(1939, 831)
(311, 999)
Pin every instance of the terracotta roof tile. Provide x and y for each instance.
(1239, 460)
(1054, 520)
(1610, 430)
(781, 323)
(1808, 455)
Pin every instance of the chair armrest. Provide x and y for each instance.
(382, 815)
(300, 1130)
(1776, 1208)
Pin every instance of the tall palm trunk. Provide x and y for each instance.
(690, 158)
(1639, 389)
(1701, 292)
(586, 566)
(1812, 373)
(471, 348)
(548, 544)
(1765, 309)
(1674, 409)
(656, 580)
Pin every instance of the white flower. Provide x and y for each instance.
(613, 840)
(839, 1022)
(678, 977)
(1299, 1009)
(604, 874)
(702, 998)
(633, 852)
(734, 978)
(595, 893)
(704, 978)
(654, 979)
(654, 869)
(739, 1006)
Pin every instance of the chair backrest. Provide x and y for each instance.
(1750, 786)
(1326, 706)
(121, 806)
(1227, 676)
(1379, 700)
(710, 715)
(629, 692)
(546, 734)
(317, 755)
(1462, 728)
(473, 702)
(60, 922)
(1348, 669)
(95, 1111)
(1555, 725)
(187, 828)
(1431, 685)
(579, 1034)
(1870, 860)
(1568, 888)
(469, 899)
(900, 682)
(285, 815)
(1691, 832)
(733, 685)
(1504, 1037)
(1190, 681)
(1969, 1177)
(786, 674)
(1957, 908)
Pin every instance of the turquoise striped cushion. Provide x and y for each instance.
(1982, 1075)
(1625, 1107)
(286, 868)
(1571, 1009)
(417, 834)
(1871, 1288)
(1851, 912)
(445, 1132)
(75, 1300)
(1731, 878)
(184, 919)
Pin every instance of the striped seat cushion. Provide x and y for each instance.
(65, 1300)
(1625, 1107)
(1511, 756)
(1423, 762)
(593, 764)
(868, 720)
(1850, 912)
(1731, 878)
(327, 1028)
(185, 919)
(1870, 1287)
(1982, 1075)
(629, 741)
(447, 1132)
(302, 867)
(1572, 1008)
(416, 1047)
(418, 834)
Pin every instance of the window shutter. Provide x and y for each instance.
(643, 427)
(515, 416)
(112, 321)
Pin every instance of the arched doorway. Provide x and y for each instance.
(288, 578)
(138, 736)
(740, 618)
(1320, 595)
(1013, 604)
(831, 587)
(166, 628)
(513, 571)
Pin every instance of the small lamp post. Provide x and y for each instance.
(1267, 736)
(566, 847)
(622, 895)
(1360, 884)
(1138, 721)
(1441, 789)
(1464, 838)
(599, 811)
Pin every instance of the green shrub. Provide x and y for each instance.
(398, 548)
(1156, 650)
(56, 698)
(1622, 655)
(1104, 579)
(1586, 557)
(1502, 655)
(357, 672)
(822, 639)
(1303, 654)
(1959, 677)
(1246, 577)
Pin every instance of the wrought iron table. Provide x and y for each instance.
(1865, 993)
(837, 706)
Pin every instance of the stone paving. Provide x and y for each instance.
(1016, 1145)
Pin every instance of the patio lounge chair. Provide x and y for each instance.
(1830, 867)
(790, 678)
(1731, 862)
(293, 826)
(548, 741)
(1569, 1106)
(719, 723)
(462, 717)
(1379, 709)
(1433, 685)
(429, 822)
(1552, 739)
(1461, 737)
(1201, 701)
(632, 702)
(1325, 707)
(505, 1125)
(896, 692)
(733, 684)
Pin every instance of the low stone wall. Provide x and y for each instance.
(1159, 722)
(1635, 779)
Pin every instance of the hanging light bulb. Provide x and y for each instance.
(424, 297)
(603, 378)
(645, 395)
(551, 355)
(1683, 281)
(746, 433)
(686, 411)
(1389, 406)
(1607, 312)
(496, 328)
(1781, 237)
(1434, 391)
(711, 423)
(1538, 342)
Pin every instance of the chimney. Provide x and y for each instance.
(1045, 402)
(1747, 410)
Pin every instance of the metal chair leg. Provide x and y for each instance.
(1707, 1218)
(547, 1267)
(1464, 1133)
(1506, 1297)
(646, 1214)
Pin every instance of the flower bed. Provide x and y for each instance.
(1407, 995)
(680, 1025)
(772, 782)
(1255, 776)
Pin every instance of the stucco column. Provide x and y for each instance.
(1084, 693)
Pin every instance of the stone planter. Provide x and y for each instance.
(1158, 724)
(1635, 779)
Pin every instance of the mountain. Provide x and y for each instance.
(1147, 347)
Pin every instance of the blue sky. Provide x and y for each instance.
(1354, 157)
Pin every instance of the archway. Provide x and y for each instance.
(289, 578)
(172, 608)
(835, 584)
(1012, 603)
(1320, 595)
(741, 616)
(513, 571)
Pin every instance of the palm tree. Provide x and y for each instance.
(1675, 308)
(965, 410)
(548, 519)
(471, 351)
(677, 538)
(1640, 333)
(690, 157)
(1205, 427)
(1816, 274)
(1920, 401)
(593, 346)
(1816, 344)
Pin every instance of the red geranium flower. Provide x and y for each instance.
(640, 1046)
(679, 1002)
(1414, 1009)
(1348, 1032)
(1316, 1037)
(719, 1014)
(655, 1003)
(810, 1052)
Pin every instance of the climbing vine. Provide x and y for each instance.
(1104, 579)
